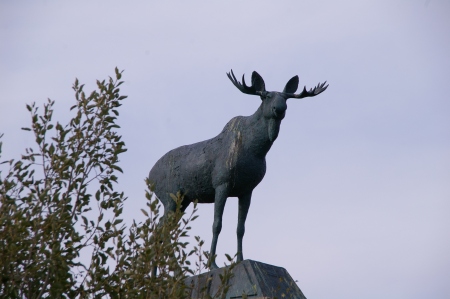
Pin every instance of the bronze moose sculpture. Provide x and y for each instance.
(231, 164)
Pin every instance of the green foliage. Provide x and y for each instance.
(45, 197)
(59, 203)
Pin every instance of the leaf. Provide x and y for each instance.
(117, 168)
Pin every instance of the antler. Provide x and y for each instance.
(243, 87)
(312, 92)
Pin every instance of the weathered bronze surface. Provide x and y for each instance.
(231, 164)
(251, 279)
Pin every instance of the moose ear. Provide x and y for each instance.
(292, 85)
(258, 82)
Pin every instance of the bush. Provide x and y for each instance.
(59, 202)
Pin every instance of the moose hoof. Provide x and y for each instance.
(213, 266)
(239, 258)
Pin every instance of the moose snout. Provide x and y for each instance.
(279, 111)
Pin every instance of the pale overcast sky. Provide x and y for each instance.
(356, 198)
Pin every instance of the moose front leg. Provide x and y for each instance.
(244, 204)
(221, 194)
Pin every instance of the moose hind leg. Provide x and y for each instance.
(170, 206)
(221, 194)
(244, 204)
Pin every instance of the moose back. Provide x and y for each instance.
(231, 164)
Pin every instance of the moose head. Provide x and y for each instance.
(273, 102)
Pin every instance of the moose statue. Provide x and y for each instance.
(231, 164)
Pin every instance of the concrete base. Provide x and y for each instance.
(251, 279)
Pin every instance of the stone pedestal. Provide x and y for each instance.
(251, 279)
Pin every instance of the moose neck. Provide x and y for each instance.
(262, 132)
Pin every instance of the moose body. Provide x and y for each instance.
(231, 164)
(196, 170)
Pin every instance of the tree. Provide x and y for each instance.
(60, 200)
